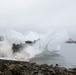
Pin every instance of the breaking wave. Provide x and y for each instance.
(50, 42)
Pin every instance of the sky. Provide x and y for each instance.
(37, 15)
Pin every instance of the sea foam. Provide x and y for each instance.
(50, 42)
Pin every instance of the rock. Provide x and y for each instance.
(12, 66)
(1, 73)
(34, 72)
(27, 68)
(26, 73)
(39, 74)
(46, 73)
(51, 71)
(7, 72)
(2, 66)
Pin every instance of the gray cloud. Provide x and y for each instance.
(37, 15)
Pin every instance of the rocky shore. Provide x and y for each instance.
(8, 67)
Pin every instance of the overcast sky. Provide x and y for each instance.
(37, 15)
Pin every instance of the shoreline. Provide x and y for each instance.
(11, 67)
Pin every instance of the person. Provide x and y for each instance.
(15, 47)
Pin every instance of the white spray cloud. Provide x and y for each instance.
(50, 42)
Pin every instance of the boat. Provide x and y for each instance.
(70, 41)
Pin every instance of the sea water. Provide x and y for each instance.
(50, 48)
(65, 57)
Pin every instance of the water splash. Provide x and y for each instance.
(53, 40)
(50, 42)
(15, 37)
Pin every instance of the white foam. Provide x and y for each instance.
(49, 42)
(15, 37)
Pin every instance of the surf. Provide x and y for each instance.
(41, 43)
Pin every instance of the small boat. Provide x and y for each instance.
(70, 41)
